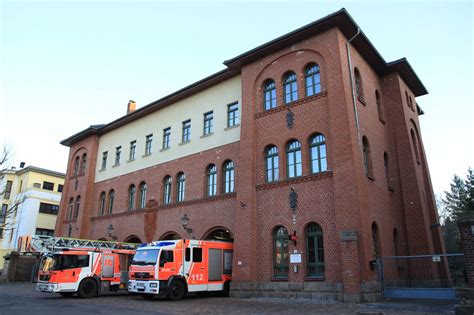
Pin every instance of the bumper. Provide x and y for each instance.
(150, 287)
(48, 287)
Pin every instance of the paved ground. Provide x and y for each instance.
(22, 298)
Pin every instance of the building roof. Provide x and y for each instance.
(340, 19)
(34, 169)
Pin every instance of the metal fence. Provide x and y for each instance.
(422, 276)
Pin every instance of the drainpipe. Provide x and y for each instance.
(354, 100)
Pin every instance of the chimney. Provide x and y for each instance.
(22, 164)
(131, 107)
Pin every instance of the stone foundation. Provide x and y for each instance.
(319, 292)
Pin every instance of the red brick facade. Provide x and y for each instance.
(343, 201)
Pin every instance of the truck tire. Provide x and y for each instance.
(87, 288)
(176, 290)
(226, 291)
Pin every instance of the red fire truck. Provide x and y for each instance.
(176, 267)
(84, 267)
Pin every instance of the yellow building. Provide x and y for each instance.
(29, 199)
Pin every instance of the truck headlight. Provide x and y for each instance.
(153, 285)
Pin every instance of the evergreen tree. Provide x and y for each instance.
(461, 197)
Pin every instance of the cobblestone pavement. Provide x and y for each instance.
(22, 298)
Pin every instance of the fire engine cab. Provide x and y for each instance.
(176, 267)
(84, 267)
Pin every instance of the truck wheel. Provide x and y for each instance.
(67, 294)
(148, 296)
(176, 290)
(87, 288)
(226, 291)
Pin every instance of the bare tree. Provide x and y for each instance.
(7, 212)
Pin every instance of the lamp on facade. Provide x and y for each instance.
(110, 232)
(184, 223)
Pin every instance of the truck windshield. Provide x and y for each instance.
(145, 257)
(61, 262)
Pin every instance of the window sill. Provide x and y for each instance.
(389, 187)
(146, 155)
(314, 279)
(232, 127)
(102, 170)
(165, 149)
(185, 142)
(129, 161)
(115, 165)
(382, 121)
(207, 135)
(362, 100)
(370, 177)
(279, 279)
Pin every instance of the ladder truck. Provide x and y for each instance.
(176, 267)
(84, 267)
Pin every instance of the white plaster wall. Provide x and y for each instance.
(215, 98)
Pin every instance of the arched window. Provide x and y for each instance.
(379, 107)
(71, 208)
(76, 166)
(312, 79)
(142, 200)
(78, 205)
(229, 171)
(211, 180)
(131, 197)
(167, 190)
(376, 240)
(314, 250)
(280, 253)
(181, 182)
(84, 163)
(269, 95)
(415, 145)
(290, 87)
(111, 201)
(102, 203)
(411, 103)
(318, 153)
(367, 156)
(386, 163)
(358, 84)
(293, 159)
(271, 164)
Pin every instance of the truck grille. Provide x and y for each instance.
(142, 275)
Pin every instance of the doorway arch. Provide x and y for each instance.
(133, 239)
(219, 234)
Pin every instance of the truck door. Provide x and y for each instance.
(196, 259)
(107, 266)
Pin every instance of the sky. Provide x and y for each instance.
(66, 65)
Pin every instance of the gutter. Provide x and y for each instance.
(351, 78)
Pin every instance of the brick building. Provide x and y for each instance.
(307, 135)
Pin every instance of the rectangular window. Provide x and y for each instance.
(186, 131)
(60, 188)
(45, 232)
(48, 186)
(197, 254)
(232, 114)
(148, 142)
(118, 153)
(133, 148)
(8, 189)
(166, 137)
(3, 215)
(187, 255)
(208, 123)
(166, 256)
(48, 208)
(104, 160)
